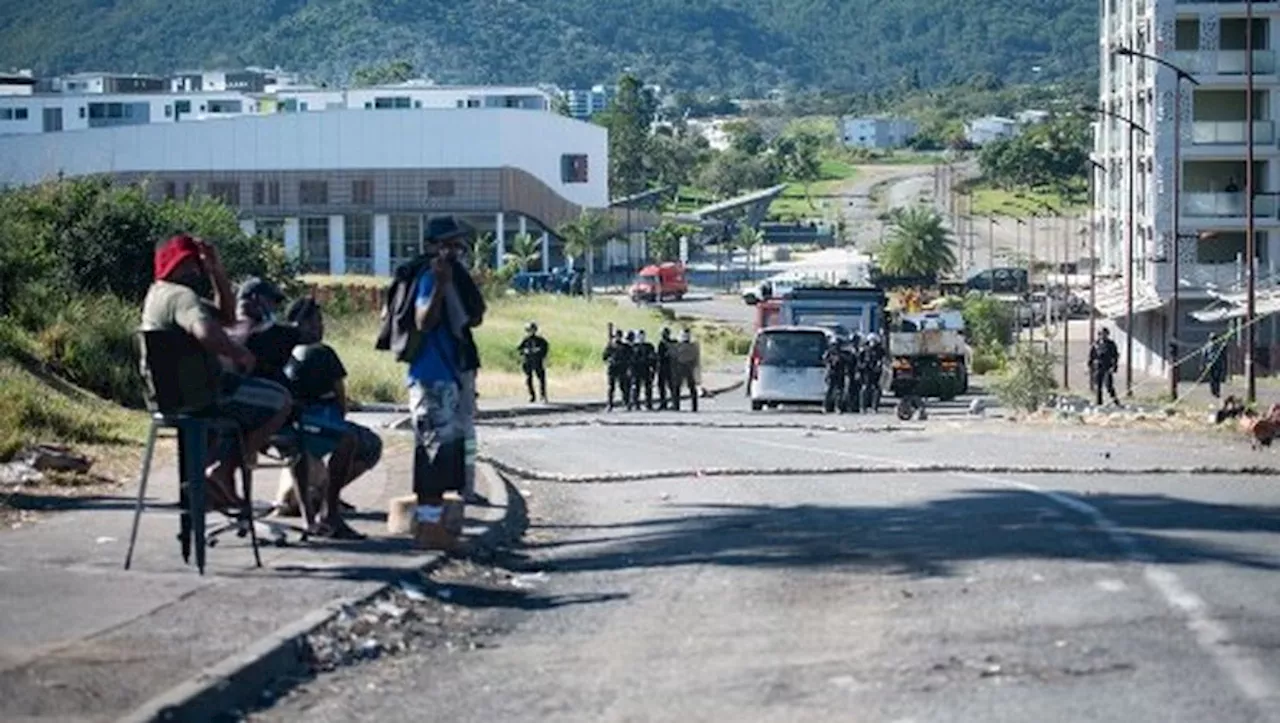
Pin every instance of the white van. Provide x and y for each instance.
(785, 366)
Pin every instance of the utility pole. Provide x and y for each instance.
(1250, 250)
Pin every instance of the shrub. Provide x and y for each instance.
(988, 359)
(1028, 379)
(91, 342)
(988, 321)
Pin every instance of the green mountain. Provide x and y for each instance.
(743, 46)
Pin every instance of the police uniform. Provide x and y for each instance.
(617, 357)
(834, 361)
(644, 362)
(665, 350)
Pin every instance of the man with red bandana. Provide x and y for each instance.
(259, 406)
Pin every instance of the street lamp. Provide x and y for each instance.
(1250, 245)
(991, 248)
(1093, 247)
(1129, 252)
(1177, 203)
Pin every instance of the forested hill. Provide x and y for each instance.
(742, 46)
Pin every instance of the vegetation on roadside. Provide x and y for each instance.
(1041, 171)
(1027, 381)
(918, 244)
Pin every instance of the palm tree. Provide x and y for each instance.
(584, 234)
(918, 244)
(526, 249)
(482, 253)
(749, 239)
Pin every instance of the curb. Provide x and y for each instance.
(236, 682)
(527, 411)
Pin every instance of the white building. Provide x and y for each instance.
(877, 133)
(585, 103)
(53, 112)
(1206, 39)
(981, 131)
(108, 83)
(348, 191)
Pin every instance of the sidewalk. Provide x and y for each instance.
(82, 639)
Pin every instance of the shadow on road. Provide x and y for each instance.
(922, 540)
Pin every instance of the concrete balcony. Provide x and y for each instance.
(1226, 205)
(1222, 277)
(1231, 133)
(1223, 62)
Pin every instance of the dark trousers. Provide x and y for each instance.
(1105, 380)
(664, 388)
(618, 382)
(678, 382)
(1215, 385)
(539, 371)
(641, 380)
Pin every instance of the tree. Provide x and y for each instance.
(664, 241)
(918, 244)
(749, 239)
(482, 254)
(397, 71)
(798, 156)
(583, 235)
(733, 171)
(526, 249)
(628, 119)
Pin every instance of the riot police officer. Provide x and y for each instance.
(644, 362)
(666, 347)
(617, 357)
(872, 370)
(835, 361)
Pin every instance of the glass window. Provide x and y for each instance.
(6, 114)
(227, 192)
(315, 244)
(182, 106)
(313, 193)
(440, 188)
(19, 113)
(270, 228)
(573, 168)
(362, 192)
(406, 238)
(359, 244)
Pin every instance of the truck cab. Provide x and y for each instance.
(659, 282)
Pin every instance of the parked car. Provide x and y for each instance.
(785, 366)
(1007, 280)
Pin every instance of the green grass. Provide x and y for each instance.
(39, 409)
(575, 328)
(834, 173)
(991, 201)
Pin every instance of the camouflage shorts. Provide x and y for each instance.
(439, 431)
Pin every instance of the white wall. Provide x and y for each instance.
(72, 104)
(482, 138)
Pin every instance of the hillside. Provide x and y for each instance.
(743, 46)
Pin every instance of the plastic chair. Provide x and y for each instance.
(182, 392)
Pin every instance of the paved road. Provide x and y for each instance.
(867, 597)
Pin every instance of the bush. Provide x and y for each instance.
(1028, 380)
(988, 321)
(92, 342)
(988, 359)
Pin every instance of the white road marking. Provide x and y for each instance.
(1211, 635)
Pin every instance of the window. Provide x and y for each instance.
(170, 190)
(417, 104)
(81, 111)
(168, 111)
(270, 228)
(52, 119)
(406, 238)
(440, 188)
(182, 107)
(313, 193)
(362, 192)
(396, 102)
(473, 102)
(315, 244)
(266, 193)
(359, 244)
(19, 113)
(573, 168)
(225, 106)
(227, 192)
(6, 114)
(187, 190)
(462, 104)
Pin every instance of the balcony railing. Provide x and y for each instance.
(1230, 133)
(1223, 62)
(1226, 205)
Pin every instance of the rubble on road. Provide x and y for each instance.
(19, 474)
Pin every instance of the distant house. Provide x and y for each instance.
(981, 131)
(1031, 117)
(877, 133)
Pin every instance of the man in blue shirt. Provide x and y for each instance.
(436, 386)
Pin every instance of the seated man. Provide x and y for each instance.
(259, 406)
(256, 327)
(318, 379)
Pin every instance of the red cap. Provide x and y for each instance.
(173, 253)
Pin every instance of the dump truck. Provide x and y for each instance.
(930, 355)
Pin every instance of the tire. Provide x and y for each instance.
(905, 409)
(756, 406)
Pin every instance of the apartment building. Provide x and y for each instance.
(1207, 39)
(584, 103)
(349, 191)
(877, 133)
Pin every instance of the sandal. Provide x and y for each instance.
(339, 530)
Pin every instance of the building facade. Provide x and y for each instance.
(1208, 40)
(585, 103)
(347, 191)
(877, 133)
(981, 131)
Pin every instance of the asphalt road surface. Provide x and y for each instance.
(860, 597)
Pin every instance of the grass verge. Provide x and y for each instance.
(40, 409)
(574, 327)
(992, 201)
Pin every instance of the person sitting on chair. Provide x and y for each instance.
(318, 381)
(257, 328)
(259, 407)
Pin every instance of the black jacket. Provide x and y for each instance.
(533, 351)
(399, 331)
(1104, 356)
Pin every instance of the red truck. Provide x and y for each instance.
(659, 282)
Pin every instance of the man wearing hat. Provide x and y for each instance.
(257, 328)
(259, 406)
(441, 379)
(533, 352)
